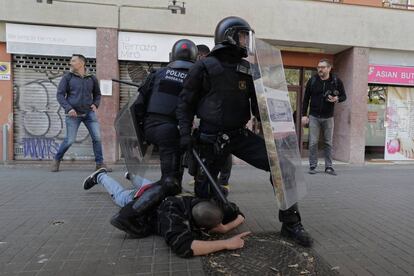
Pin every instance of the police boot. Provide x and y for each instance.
(171, 186)
(296, 232)
(292, 227)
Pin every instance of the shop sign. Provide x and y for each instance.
(4, 70)
(50, 41)
(397, 75)
(152, 47)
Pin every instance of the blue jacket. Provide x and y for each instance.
(78, 93)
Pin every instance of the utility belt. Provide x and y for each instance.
(221, 139)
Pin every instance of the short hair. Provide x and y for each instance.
(207, 214)
(81, 57)
(327, 61)
(203, 49)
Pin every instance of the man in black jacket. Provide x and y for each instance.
(220, 91)
(323, 90)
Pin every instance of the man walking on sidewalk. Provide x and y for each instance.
(323, 91)
(79, 95)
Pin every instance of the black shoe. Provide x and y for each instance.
(127, 175)
(126, 226)
(92, 180)
(330, 170)
(297, 233)
(312, 170)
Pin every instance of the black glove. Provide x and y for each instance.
(230, 212)
(186, 142)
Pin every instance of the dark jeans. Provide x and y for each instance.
(315, 126)
(250, 148)
(72, 126)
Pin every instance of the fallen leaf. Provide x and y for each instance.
(42, 261)
(293, 266)
(286, 243)
(335, 268)
(305, 254)
(304, 272)
(235, 255)
(274, 269)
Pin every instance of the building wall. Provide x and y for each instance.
(283, 21)
(6, 104)
(351, 115)
(390, 57)
(107, 69)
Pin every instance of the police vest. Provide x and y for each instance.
(227, 103)
(168, 83)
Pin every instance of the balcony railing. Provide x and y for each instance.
(408, 5)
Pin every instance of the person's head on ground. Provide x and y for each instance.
(324, 68)
(77, 63)
(234, 32)
(207, 215)
(203, 51)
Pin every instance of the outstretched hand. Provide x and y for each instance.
(237, 241)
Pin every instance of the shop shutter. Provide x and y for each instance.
(39, 121)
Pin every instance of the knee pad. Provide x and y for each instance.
(172, 186)
(149, 200)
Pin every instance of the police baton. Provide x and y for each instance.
(127, 82)
(213, 183)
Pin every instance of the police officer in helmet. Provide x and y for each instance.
(155, 109)
(220, 91)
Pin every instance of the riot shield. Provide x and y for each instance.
(277, 124)
(134, 149)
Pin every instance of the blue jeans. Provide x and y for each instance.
(119, 194)
(315, 126)
(72, 126)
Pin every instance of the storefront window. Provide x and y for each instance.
(375, 127)
(307, 74)
(292, 76)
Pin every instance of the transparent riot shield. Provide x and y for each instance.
(277, 123)
(135, 150)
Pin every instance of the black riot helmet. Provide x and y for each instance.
(234, 31)
(185, 50)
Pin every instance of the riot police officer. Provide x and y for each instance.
(156, 106)
(220, 91)
(155, 110)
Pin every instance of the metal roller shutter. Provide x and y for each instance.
(136, 72)
(39, 122)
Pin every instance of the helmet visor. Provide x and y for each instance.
(246, 40)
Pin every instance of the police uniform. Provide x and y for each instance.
(158, 97)
(155, 110)
(220, 91)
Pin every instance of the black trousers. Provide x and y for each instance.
(245, 145)
(165, 135)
